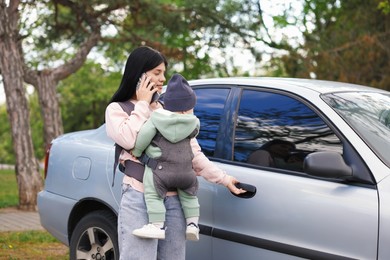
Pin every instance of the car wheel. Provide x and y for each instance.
(95, 237)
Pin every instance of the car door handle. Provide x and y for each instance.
(250, 190)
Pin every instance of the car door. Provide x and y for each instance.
(292, 215)
(210, 108)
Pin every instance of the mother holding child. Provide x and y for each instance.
(173, 211)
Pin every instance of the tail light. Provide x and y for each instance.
(47, 159)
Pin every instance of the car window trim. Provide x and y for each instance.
(228, 126)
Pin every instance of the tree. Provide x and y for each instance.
(6, 146)
(14, 70)
(46, 80)
(45, 83)
(11, 67)
(67, 31)
(180, 29)
(85, 95)
(384, 6)
(344, 41)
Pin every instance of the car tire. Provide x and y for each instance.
(101, 227)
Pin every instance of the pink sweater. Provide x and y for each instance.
(123, 129)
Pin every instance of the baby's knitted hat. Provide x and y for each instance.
(179, 95)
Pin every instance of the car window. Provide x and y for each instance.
(368, 114)
(276, 130)
(209, 108)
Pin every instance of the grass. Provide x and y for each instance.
(32, 245)
(9, 196)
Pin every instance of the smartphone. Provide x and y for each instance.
(139, 80)
(156, 95)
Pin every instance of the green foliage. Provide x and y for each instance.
(384, 6)
(36, 124)
(275, 68)
(281, 20)
(186, 31)
(6, 148)
(8, 189)
(45, 42)
(344, 41)
(84, 96)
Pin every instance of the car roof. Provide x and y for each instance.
(320, 86)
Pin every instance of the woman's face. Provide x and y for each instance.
(157, 76)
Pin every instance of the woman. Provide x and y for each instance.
(123, 129)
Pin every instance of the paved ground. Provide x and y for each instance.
(12, 219)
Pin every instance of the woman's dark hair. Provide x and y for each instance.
(139, 61)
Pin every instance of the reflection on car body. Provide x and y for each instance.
(278, 154)
(384, 117)
(310, 204)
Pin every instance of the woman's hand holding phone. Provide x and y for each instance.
(145, 90)
(142, 78)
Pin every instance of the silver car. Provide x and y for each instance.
(315, 152)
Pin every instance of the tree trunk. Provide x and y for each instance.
(50, 108)
(45, 82)
(11, 65)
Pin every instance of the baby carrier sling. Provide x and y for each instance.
(173, 169)
(170, 162)
(130, 168)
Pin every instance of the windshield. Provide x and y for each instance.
(369, 115)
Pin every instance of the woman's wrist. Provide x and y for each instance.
(227, 179)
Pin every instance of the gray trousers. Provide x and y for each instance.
(155, 204)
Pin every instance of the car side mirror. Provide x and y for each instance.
(327, 165)
(250, 190)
